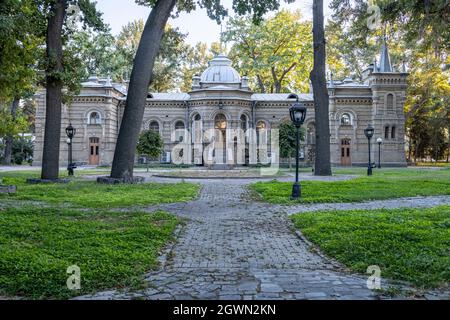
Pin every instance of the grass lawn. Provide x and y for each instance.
(407, 244)
(384, 184)
(89, 194)
(112, 249)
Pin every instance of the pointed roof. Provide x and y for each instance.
(385, 61)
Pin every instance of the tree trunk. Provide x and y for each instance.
(141, 76)
(9, 138)
(54, 83)
(261, 85)
(321, 102)
(278, 87)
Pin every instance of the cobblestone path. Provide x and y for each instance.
(234, 248)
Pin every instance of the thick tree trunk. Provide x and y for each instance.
(141, 76)
(52, 135)
(321, 102)
(9, 139)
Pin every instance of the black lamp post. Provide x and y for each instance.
(379, 141)
(298, 114)
(70, 131)
(369, 134)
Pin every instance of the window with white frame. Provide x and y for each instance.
(94, 118)
(154, 126)
(346, 119)
(179, 131)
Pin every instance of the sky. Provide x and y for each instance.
(197, 25)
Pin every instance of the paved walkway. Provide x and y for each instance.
(235, 248)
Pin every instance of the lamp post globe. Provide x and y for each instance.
(297, 113)
(368, 132)
(379, 141)
(70, 132)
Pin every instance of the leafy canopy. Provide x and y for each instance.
(277, 53)
(216, 10)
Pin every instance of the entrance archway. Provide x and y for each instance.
(220, 139)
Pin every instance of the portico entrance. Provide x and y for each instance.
(220, 139)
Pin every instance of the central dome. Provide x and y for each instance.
(220, 71)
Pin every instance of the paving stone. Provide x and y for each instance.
(270, 287)
(313, 295)
(235, 248)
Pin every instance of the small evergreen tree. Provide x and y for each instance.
(150, 145)
(287, 140)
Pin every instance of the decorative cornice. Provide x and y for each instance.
(367, 101)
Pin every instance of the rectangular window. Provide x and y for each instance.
(342, 152)
(386, 132)
(393, 133)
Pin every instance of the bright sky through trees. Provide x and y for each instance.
(118, 13)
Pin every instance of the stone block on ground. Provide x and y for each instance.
(8, 189)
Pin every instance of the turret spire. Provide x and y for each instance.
(385, 61)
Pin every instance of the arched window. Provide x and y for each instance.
(311, 133)
(243, 122)
(390, 102)
(261, 125)
(393, 133)
(179, 125)
(220, 122)
(179, 131)
(154, 126)
(346, 120)
(94, 118)
(386, 132)
(197, 129)
(261, 132)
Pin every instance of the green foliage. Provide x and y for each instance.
(22, 150)
(12, 125)
(150, 144)
(424, 21)
(196, 60)
(89, 194)
(112, 249)
(95, 51)
(19, 48)
(288, 139)
(101, 53)
(384, 184)
(276, 54)
(407, 244)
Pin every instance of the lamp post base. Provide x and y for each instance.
(296, 191)
(369, 171)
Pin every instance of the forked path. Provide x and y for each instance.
(235, 248)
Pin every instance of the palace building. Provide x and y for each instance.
(220, 101)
